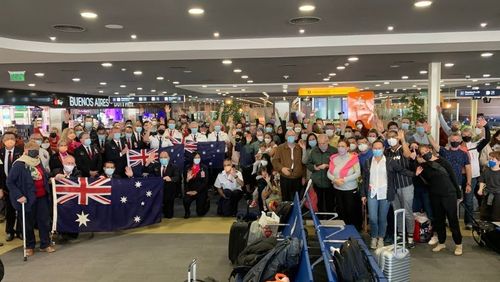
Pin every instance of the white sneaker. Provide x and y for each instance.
(434, 240)
(380, 243)
(458, 250)
(373, 244)
(439, 247)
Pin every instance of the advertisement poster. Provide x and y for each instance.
(361, 107)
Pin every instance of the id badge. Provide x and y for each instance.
(202, 174)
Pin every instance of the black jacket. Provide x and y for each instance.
(200, 182)
(3, 178)
(440, 177)
(154, 169)
(85, 163)
(112, 153)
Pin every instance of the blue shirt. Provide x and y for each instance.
(458, 160)
(363, 157)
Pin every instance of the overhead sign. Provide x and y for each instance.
(326, 91)
(477, 93)
(17, 75)
(147, 99)
(88, 102)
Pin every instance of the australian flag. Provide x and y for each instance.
(103, 204)
(212, 154)
(137, 158)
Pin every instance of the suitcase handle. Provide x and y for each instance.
(396, 212)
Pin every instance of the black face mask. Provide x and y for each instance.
(455, 144)
(53, 135)
(161, 131)
(33, 153)
(454, 129)
(427, 156)
(467, 139)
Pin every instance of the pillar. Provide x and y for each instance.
(473, 112)
(434, 95)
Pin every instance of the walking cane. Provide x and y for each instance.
(365, 218)
(24, 233)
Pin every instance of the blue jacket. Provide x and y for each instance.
(21, 184)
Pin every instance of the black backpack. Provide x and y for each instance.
(351, 263)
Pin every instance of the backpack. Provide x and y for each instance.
(252, 254)
(283, 211)
(351, 263)
(283, 258)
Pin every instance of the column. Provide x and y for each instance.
(433, 98)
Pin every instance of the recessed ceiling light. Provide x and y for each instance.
(139, 88)
(353, 59)
(487, 84)
(475, 88)
(249, 81)
(474, 80)
(204, 86)
(414, 86)
(346, 64)
(124, 69)
(243, 90)
(244, 76)
(443, 85)
(234, 85)
(227, 62)
(469, 86)
(123, 86)
(237, 70)
(153, 90)
(486, 54)
(216, 34)
(76, 79)
(116, 93)
(386, 82)
(107, 65)
(377, 85)
(88, 15)
(332, 74)
(164, 92)
(390, 28)
(394, 66)
(160, 78)
(404, 77)
(326, 79)
(196, 11)
(137, 72)
(188, 71)
(483, 25)
(341, 68)
(449, 65)
(422, 3)
(52, 38)
(175, 82)
(302, 31)
(423, 72)
(307, 8)
(395, 90)
(31, 85)
(101, 91)
(133, 36)
(102, 83)
(486, 75)
(335, 84)
(39, 74)
(114, 26)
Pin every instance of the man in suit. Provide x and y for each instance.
(8, 154)
(88, 126)
(88, 159)
(130, 139)
(116, 151)
(171, 180)
(101, 139)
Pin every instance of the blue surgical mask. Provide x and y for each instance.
(87, 142)
(217, 128)
(194, 130)
(196, 161)
(405, 126)
(378, 152)
(117, 136)
(109, 171)
(269, 129)
(420, 130)
(290, 139)
(101, 137)
(128, 135)
(313, 143)
(492, 163)
(88, 124)
(78, 133)
(138, 130)
(171, 126)
(164, 161)
(39, 142)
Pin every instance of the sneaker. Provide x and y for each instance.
(434, 240)
(410, 244)
(468, 227)
(373, 244)
(380, 243)
(458, 250)
(439, 247)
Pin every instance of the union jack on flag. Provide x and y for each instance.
(190, 146)
(83, 189)
(139, 157)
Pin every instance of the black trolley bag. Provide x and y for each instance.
(238, 235)
(484, 233)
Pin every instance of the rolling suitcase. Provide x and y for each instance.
(238, 237)
(394, 260)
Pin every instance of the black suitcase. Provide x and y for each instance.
(238, 237)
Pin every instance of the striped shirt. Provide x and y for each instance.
(397, 156)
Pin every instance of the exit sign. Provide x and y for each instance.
(16, 75)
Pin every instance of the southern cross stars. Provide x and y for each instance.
(138, 184)
(82, 219)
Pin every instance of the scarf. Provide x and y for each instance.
(32, 164)
(195, 170)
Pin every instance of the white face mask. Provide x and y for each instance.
(298, 129)
(68, 168)
(329, 132)
(45, 145)
(263, 163)
(359, 126)
(348, 134)
(353, 147)
(260, 138)
(372, 139)
(392, 142)
(363, 147)
(303, 136)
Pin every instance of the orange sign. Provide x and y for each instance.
(360, 107)
(326, 91)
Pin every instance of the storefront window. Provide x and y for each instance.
(329, 108)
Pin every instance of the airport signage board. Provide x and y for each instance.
(147, 99)
(477, 93)
(326, 91)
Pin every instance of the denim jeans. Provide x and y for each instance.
(468, 199)
(377, 210)
(421, 200)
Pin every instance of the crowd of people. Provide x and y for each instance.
(384, 166)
